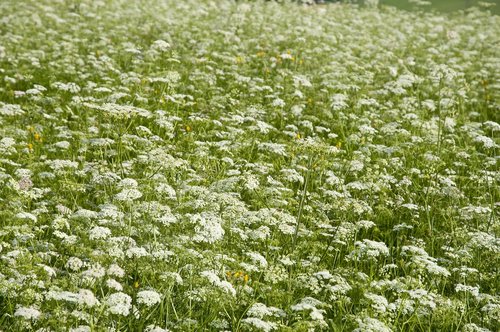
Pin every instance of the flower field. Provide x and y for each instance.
(248, 166)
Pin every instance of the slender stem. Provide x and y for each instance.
(301, 206)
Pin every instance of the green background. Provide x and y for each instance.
(439, 5)
(443, 5)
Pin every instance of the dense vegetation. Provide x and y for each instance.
(247, 166)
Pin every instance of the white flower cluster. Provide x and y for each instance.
(208, 228)
(119, 304)
(148, 298)
(221, 284)
(368, 249)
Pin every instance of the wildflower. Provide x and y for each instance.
(208, 228)
(258, 258)
(113, 284)
(379, 303)
(128, 195)
(81, 328)
(87, 298)
(260, 324)
(27, 216)
(471, 327)
(368, 249)
(136, 252)
(260, 310)
(28, 313)
(278, 102)
(64, 145)
(99, 233)
(148, 298)
(474, 291)
(368, 324)
(215, 280)
(154, 328)
(115, 271)
(119, 304)
(160, 46)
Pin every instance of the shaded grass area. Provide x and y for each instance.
(439, 5)
(443, 5)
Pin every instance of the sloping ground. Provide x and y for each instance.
(210, 166)
(444, 5)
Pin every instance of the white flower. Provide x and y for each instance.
(160, 46)
(62, 296)
(96, 271)
(26, 215)
(148, 298)
(115, 270)
(136, 252)
(278, 102)
(10, 109)
(251, 182)
(258, 259)
(208, 228)
(128, 195)
(98, 233)
(368, 249)
(471, 327)
(307, 303)
(50, 271)
(259, 324)
(215, 280)
(86, 297)
(279, 149)
(368, 324)
(62, 145)
(68, 87)
(28, 313)
(423, 261)
(474, 291)
(339, 102)
(166, 190)
(80, 328)
(119, 304)
(323, 275)
(378, 302)
(487, 142)
(128, 183)
(113, 284)
(58, 165)
(292, 175)
(260, 310)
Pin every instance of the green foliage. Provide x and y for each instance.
(247, 166)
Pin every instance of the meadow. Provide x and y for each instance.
(248, 166)
(442, 5)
